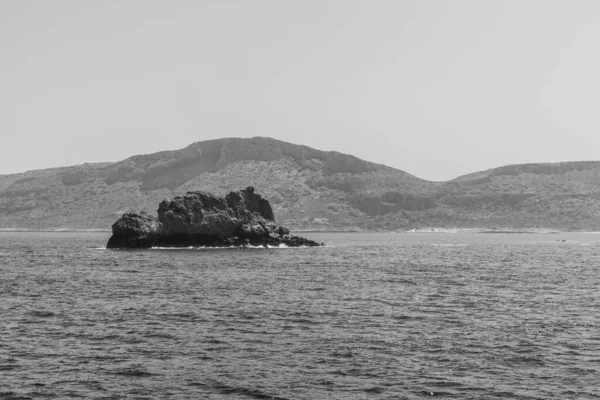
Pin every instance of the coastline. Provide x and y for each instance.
(425, 230)
(52, 230)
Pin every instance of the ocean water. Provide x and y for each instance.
(370, 316)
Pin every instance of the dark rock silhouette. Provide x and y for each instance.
(135, 230)
(203, 219)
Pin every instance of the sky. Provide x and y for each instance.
(435, 88)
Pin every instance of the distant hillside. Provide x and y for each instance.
(561, 195)
(308, 189)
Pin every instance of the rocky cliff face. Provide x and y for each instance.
(202, 213)
(203, 219)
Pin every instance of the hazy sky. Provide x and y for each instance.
(435, 88)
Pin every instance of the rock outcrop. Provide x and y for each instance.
(203, 219)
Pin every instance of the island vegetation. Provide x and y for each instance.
(308, 189)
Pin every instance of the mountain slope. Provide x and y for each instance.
(308, 189)
(302, 183)
(560, 195)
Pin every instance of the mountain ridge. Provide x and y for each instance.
(309, 189)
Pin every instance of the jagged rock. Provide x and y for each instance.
(203, 219)
(251, 201)
(134, 230)
(132, 224)
(243, 212)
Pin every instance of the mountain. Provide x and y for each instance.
(561, 195)
(307, 188)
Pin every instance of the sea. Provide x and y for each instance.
(414, 315)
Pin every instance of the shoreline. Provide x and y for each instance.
(541, 231)
(58, 230)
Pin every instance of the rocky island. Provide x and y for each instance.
(202, 219)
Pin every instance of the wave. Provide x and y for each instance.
(257, 247)
(438, 230)
(483, 230)
(281, 246)
(55, 230)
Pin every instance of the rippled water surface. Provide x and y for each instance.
(371, 316)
